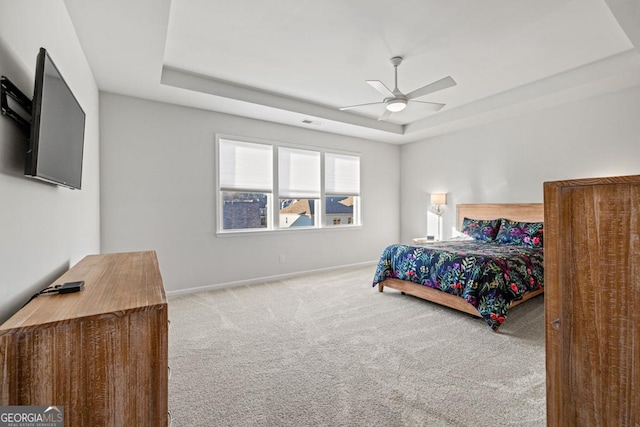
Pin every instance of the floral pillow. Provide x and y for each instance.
(481, 229)
(520, 233)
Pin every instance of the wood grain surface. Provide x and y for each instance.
(525, 212)
(441, 297)
(102, 353)
(592, 315)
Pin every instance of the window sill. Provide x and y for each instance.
(236, 233)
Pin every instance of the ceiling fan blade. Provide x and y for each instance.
(432, 87)
(380, 87)
(359, 105)
(431, 106)
(385, 115)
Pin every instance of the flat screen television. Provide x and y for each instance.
(56, 143)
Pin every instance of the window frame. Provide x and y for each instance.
(273, 215)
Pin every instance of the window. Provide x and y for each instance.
(298, 187)
(269, 186)
(342, 189)
(246, 184)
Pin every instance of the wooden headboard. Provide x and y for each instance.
(527, 212)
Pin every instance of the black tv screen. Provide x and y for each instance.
(56, 143)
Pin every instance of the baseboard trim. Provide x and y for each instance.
(264, 279)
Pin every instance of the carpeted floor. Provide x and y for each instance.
(327, 349)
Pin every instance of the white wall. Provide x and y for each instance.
(43, 228)
(508, 161)
(158, 170)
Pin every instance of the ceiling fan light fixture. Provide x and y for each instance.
(396, 105)
(395, 101)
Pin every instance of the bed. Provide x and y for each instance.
(484, 276)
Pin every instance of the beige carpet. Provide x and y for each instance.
(327, 349)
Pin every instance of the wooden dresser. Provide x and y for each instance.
(592, 301)
(101, 353)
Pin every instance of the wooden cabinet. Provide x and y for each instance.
(101, 353)
(592, 301)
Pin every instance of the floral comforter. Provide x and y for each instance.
(487, 275)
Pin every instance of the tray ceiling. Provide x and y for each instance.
(297, 61)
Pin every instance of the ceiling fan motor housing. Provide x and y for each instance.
(396, 60)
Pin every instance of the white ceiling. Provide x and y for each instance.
(292, 60)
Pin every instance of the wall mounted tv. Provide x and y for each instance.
(56, 143)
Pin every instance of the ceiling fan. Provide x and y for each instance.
(396, 101)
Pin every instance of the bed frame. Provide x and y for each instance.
(528, 212)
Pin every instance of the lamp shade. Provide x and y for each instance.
(439, 199)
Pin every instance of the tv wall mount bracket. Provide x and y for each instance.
(8, 89)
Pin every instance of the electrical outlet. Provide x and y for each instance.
(281, 258)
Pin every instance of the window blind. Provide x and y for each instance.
(245, 166)
(342, 174)
(298, 173)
